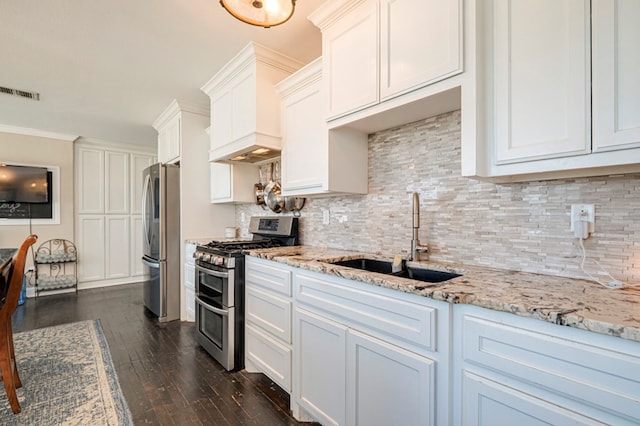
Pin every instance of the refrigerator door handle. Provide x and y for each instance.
(151, 263)
(146, 192)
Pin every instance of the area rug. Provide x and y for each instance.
(68, 378)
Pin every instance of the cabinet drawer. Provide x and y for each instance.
(270, 312)
(608, 379)
(265, 274)
(269, 356)
(371, 309)
(489, 403)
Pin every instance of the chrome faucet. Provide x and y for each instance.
(416, 248)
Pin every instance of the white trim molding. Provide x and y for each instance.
(34, 132)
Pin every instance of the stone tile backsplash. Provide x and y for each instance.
(517, 226)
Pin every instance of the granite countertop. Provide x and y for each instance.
(564, 301)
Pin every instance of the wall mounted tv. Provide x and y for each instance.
(22, 184)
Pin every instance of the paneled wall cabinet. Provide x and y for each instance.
(513, 370)
(378, 50)
(245, 113)
(316, 160)
(551, 89)
(108, 224)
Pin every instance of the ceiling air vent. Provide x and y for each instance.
(21, 93)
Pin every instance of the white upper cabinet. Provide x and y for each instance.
(540, 79)
(232, 183)
(315, 160)
(169, 134)
(376, 50)
(102, 181)
(89, 180)
(419, 43)
(616, 86)
(551, 89)
(117, 174)
(245, 112)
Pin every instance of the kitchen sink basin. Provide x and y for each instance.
(384, 267)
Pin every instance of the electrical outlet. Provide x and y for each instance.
(325, 217)
(581, 212)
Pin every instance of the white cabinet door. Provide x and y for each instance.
(314, 159)
(91, 247)
(90, 180)
(117, 246)
(117, 182)
(174, 129)
(189, 284)
(169, 140)
(350, 60)
(220, 182)
(388, 385)
(319, 361)
(487, 403)
(269, 355)
(221, 118)
(304, 139)
(139, 162)
(232, 183)
(616, 86)
(419, 43)
(137, 251)
(541, 80)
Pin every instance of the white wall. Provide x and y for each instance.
(46, 151)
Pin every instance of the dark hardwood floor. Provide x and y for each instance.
(166, 377)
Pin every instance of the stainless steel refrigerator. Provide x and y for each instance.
(161, 240)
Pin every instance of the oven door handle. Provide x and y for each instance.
(212, 272)
(218, 311)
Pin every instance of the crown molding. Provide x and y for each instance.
(35, 132)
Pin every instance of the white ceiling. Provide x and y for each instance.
(106, 69)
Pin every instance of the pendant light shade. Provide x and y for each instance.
(262, 13)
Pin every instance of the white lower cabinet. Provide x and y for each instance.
(368, 356)
(320, 368)
(117, 234)
(489, 403)
(514, 370)
(386, 383)
(268, 315)
(137, 251)
(104, 242)
(189, 282)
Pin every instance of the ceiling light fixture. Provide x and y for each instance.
(261, 13)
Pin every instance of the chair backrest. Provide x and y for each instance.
(12, 272)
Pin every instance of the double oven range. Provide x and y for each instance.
(220, 286)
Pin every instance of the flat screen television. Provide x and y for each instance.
(23, 184)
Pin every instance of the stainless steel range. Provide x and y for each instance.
(220, 286)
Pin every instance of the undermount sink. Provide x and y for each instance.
(384, 267)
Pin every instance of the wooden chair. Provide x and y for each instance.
(11, 273)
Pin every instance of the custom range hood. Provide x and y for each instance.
(245, 106)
